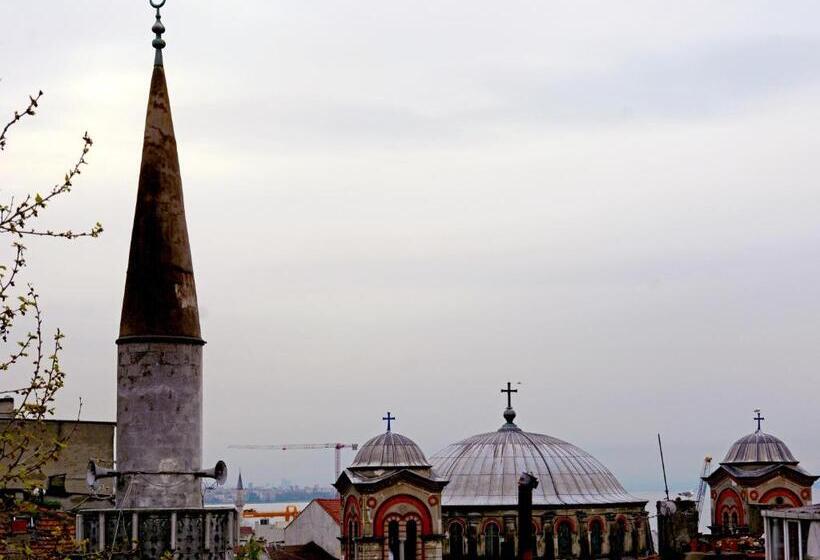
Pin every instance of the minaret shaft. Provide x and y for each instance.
(159, 359)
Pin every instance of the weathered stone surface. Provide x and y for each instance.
(159, 424)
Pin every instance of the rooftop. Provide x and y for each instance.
(333, 506)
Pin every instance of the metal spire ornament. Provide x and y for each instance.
(158, 29)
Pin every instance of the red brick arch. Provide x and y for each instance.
(561, 519)
(419, 507)
(352, 512)
(722, 504)
(490, 521)
(784, 493)
(457, 521)
(597, 520)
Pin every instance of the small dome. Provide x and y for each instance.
(759, 447)
(483, 470)
(390, 450)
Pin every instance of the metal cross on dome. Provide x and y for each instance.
(758, 418)
(509, 390)
(389, 418)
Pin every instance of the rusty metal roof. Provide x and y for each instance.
(483, 470)
(390, 450)
(759, 447)
(160, 294)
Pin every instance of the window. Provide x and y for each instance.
(456, 532)
(352, 535)
(725, 520)
(564, 539)
(393, 539)
(596, 537)
(734, 519)
(792, 533)
(776, 546)
(492, 545)
(410, 541)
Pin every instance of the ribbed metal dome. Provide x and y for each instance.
(759, 447)
(484, 470)
(390, 450)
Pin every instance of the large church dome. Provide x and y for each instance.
(483, 470)
(759, 447)
(390, 450)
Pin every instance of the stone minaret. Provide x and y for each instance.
(159, 358)
(239, 498)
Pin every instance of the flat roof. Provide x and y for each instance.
(811, 512)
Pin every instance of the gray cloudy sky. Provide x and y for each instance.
(402, 204)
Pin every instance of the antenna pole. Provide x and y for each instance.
(663, 466)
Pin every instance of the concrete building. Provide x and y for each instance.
(758, 473)
(86, 440)
(792, 533)
(318, 523)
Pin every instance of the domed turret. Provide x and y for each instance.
(759, 448)
(389, 451)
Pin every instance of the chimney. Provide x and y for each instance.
(7, 407)
(526, 484)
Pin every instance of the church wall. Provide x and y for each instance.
(547, 522)
(400, 501)
(778, 491)
(159, 423)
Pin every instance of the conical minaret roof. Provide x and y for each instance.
(160, 293)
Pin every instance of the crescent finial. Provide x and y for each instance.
(158, 29)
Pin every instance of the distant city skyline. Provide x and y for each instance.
(403, 206)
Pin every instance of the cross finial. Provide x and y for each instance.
(758, 418)
(509, 390)
(158, 29)
(389, 418)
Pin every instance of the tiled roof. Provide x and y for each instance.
(333, 507)
(309, 551)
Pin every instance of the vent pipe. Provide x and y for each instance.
(526, 484)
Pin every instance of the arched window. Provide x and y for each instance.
(734, 519)
(596, 537)
(393, 543)
(725, 519)
(410, 541)
(564, 540)
(621, 535)
(492, 545)
(456, 532)
(352, 534)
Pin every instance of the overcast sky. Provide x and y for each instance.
(401, 205)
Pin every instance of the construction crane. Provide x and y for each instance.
(288, 446)
(707, 461)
